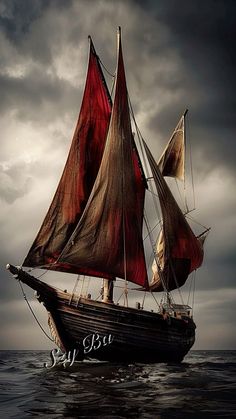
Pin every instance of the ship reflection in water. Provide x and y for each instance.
(202, 386)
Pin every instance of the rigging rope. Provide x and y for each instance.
(82, 286)
(196, 222)
(109, 73)
(183, 201)
(87, 286)
(41, 327)
(141, 140)
(123, 229)
(185, 191)
(144, 296)
(194, 284)
(190, 289)
(191, 165)
(159, 306)
(105, 68)
(74, 289)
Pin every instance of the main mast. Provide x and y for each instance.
(108, 284)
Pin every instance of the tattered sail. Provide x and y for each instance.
(94, 224)
(108, 237)
(179, 251)
(171, 163)
(79, 173)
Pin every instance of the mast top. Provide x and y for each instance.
(118, 36)
(185, 112)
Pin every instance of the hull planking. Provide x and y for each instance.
(106, 331)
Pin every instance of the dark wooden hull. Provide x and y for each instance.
(135, 335)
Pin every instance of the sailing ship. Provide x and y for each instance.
(94, 228)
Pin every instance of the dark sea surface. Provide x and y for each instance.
(202, 386)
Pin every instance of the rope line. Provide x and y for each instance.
(105, 68)
(37, 321)
(191, 165)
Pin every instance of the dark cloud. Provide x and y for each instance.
(37, 97)
(9, 191)
(203, 35)
(17, 17)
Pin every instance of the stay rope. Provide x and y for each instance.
(105, 68)
(37, 321)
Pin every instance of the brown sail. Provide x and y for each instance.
(108, 238)
(79, 173)
(171, 163)
(179, 251)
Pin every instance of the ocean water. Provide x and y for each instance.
(202, 386)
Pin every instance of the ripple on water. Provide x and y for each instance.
(204, 384)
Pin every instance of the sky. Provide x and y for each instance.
(178, 54)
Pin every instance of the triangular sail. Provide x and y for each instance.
(79, 173)
(108, 238)
(179, 251)
(171, 163)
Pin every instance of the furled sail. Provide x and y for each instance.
(179, 251)
(171, 163)
(108, 238)
(79, 173)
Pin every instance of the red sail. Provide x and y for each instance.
(179, 251)
(108, 238)
(79, 173)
